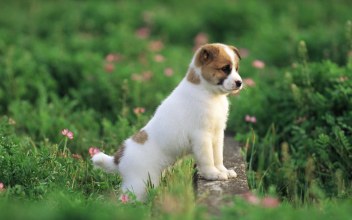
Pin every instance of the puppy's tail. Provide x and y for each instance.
(105, 162)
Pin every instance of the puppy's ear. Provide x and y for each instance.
(237, 52)
(206, 54)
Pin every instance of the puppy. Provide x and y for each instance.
(192, 119)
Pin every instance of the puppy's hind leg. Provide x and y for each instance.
(137, 177)
(135, 186)
(137, 182)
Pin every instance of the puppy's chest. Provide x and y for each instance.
(215, 115)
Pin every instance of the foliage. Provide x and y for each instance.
(101, 68)
(309, 144)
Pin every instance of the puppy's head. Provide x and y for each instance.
(217, 67)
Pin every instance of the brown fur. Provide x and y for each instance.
(211, 58)
(141, 137)
(238, 57)
(193, 77)
(119, 153)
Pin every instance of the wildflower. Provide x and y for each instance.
(67, 133)
(143, 32)
(93, 151)
(136, 77)
(159, 58)
(251, 198)
(139, 110)
(147, 75)
(258, 64)
(2, 187)
(112, 57)
(70, 135)
(249, 82)
(244, 52)
(156, 46)
(109, 67)
(250, 119)
(267, 202)
(200, 39)
(168, 71)
(270, 202)
(64, 132)
(124, 198)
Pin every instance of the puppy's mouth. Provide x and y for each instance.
(235, 88)
(234, 91)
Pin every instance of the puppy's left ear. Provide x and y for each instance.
(206, 54)
(237, 52)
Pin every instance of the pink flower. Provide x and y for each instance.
(143, 32)
(2, 187)
(113, 57)
(67, 133)
(270, 202)
(139, 110)
(251, 198)
(64, 132)
(147, 75)
(251, 119)
(159, 58)
(244, 52)
(249, 82)
(109, 67)
(124, 198)
(156, 46)
(168, 71)
(258, 64)
(93, 151)
(136, 77)
(200, 39)
(70, 135)
(267, 202)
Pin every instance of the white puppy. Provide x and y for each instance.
(191, 119)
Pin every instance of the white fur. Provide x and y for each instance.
(191, 119)
(230, 83)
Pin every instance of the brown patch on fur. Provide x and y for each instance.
(211, 58)
(206, 54)
(238, 57)
(119, 153)
(193, 77)
(237, 52)
(141, 137)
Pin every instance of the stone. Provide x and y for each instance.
(216, 194)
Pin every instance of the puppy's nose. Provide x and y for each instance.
(238, 83)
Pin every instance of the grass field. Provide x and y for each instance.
(100, 69)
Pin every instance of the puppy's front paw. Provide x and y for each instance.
(229, 173)
(213, 174)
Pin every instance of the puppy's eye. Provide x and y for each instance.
(227, 69)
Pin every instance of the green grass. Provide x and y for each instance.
(55, 74)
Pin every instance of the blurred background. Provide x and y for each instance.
(100, 69)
